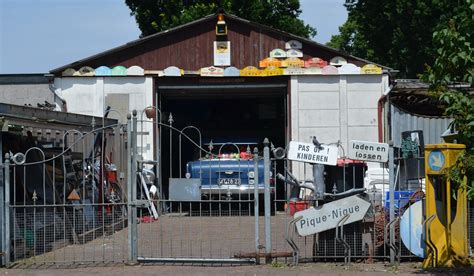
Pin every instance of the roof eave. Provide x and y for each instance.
(204, 19)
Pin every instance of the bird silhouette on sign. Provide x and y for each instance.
(436, 161)
(316, 143)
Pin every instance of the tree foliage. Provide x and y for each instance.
(158, 15)
(397, 34)
(451, 78)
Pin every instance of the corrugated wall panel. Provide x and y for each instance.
(432, 127)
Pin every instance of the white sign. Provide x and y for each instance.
(293, 44)
(325, 218)
(368, 151)
(212, 72)
(306, 152)
(294, 53)
(221, 53)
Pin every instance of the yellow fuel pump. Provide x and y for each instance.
(445, 210)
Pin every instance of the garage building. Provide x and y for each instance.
(242, 81)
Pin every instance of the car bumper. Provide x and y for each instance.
(232, 189)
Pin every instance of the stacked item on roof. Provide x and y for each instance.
(279, 62)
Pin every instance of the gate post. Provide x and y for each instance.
(391, 178)
(268, 227)
(6, 225)
(132, 186)
(129, 188)
(256, 210)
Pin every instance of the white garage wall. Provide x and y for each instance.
(333, 108)
(87, 95)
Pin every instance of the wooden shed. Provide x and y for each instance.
(252, 81)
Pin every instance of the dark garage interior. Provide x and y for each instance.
(229, 111)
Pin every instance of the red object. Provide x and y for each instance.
(342, 162)
(245, 155)
(147, 219)
(296, 206)
(111, 176)
(315, 62)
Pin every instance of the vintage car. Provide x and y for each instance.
(229, 172)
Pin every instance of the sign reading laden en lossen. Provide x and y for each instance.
(327, 216)
(368, 151)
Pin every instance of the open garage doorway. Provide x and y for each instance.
(224, 110)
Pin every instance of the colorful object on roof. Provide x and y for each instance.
(172, 71)
(251, 71)
(103, 71)
(330, 70)
(211, 71)
(119, 71)
(85, 71)
(293, 44)
(272, 71)
(68, 72)
(349, 69)
(278, 53)
(315, 62)
(135, 71)
(371, 69)
(270, 62)
(231, 72)
(337, 61)
(292, 62)
(294, 53)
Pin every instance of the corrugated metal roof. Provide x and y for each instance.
(432, 127)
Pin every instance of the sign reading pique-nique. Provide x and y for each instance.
(328, 215)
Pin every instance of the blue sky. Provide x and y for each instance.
(39, 35)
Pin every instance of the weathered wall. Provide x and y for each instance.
(91, 95)
(21, 94)
(333, 108)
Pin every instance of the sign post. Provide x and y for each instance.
(318, 155)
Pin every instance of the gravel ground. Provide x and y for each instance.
(275, 269)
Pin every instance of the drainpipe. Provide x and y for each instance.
(53, 88)
(380, 104)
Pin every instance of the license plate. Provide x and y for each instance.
(228, 181)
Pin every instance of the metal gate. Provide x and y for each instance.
(93, 196)
(64, 197)
(192, 218)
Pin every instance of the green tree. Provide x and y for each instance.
(158, 15)
(393, 33)
(451, 79)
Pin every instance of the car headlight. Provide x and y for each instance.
(251, 174)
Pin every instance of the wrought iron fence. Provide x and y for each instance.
(366, 240)
(66, 201)
(97, 199)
